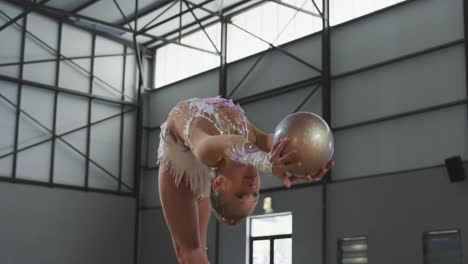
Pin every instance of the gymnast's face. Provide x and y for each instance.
(240, 185)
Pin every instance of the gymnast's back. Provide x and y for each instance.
(216, 115)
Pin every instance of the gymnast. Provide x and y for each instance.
(209, 154)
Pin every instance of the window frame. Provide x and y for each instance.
(270, 238)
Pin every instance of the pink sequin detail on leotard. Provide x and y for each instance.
(180, 161)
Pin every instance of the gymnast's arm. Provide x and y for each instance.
(262, 140)
(213, 149)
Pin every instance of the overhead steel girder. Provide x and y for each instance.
(211, 12)
(203, 19)
(53, 50)
(144, 11)
(201, 26)
(159, 15)
(29, 8)
(296, 8)
(279, 49)
(190, 9)
(58, 15)
(85, 5)
(65, 17)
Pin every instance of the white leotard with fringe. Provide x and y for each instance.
(177, 156)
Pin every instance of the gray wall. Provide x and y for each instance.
(47, 225)
(371, 194)
(155, 239)
(394, 211)
(61, 225)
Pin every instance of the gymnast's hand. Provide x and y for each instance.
(318, 174)
(280, 165)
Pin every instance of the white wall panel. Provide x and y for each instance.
(131, 70)
(10, 9)
(75, 75)
(105, 143)
(406, 143)
(12, 71)
(77, 140)
(108, 73)
(69, 165)
(101, 110)
(40, 72)
(72, 112)
(37, 103)
(11, 46)
(8, 116)
(7, 126)
(106, 46)
(395, 33)
(34, 163)
(6, 166)
(424, 81)
(42, 40)
(75, 41)
(101, 180)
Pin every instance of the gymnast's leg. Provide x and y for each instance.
(181, 213)
(204, 213)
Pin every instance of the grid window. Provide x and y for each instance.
(353, 250)
(270, 239)
(345, 10)
(253, 30)
(442, 247)
(175, 62)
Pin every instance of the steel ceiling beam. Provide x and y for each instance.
(190, 9)
(145, 11)
(296, 8)
(58, 15)
(29, 7)
(84, 6)
(225, 10)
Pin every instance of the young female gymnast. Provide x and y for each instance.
(208, 149)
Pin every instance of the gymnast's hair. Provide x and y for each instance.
(219, 205)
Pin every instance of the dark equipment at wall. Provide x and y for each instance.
(456, 171)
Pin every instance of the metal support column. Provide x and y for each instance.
(56, 93)
(222, 91)
(18, 97)
(122, 108)
(223, 56)
(138, 143)
(326, 112)
(90, 102)
(465, 25)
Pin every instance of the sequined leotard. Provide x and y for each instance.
(177, 156)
